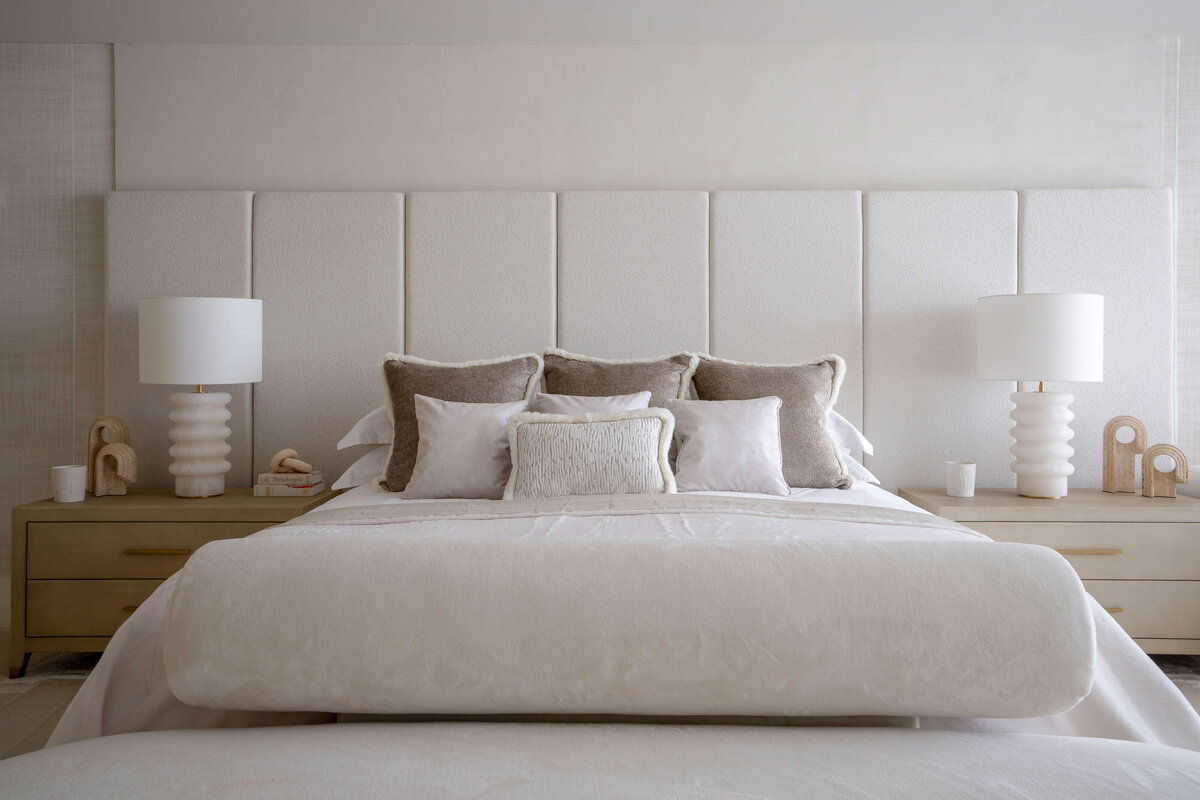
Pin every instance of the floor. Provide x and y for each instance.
(31, 706)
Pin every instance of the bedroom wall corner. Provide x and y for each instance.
(56, 165)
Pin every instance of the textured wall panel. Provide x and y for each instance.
(632, 273)
(1118, 243)
(927, 257)
(787, 280)
(36, 247)
(166, 244)
(479, 274)
(1187, 338)
(329, 269)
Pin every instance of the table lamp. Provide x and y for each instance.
(199, 341)
(1041, 337)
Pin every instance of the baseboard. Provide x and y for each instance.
(5, 602)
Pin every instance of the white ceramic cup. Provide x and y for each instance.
(70, 483)
(960, 478)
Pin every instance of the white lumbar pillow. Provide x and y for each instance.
(462, 449)
(729, 445)
(575, 404)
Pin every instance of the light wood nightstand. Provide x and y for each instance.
(80, 569)
(1139, 556)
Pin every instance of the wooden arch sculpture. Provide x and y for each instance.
(115, 464)
(1120, 458)
(1157, 483)
(106, 431)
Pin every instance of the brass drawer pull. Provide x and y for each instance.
(1114, 610)
(129, 609)
(1092, 552)
(151, 551)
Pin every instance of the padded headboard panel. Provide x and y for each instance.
(888, 280)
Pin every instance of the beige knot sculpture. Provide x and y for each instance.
(289, 461)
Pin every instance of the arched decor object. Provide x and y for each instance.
(115, 464)
(105, 430)
(1120, 458)
(1156, 483)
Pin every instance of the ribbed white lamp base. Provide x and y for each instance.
(200, 445)
(1041, 433)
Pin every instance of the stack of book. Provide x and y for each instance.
(289, 484)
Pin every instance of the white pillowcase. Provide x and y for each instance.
(554, 455)
(375, 428)
(729, 446)
(846, 436)
(368, 468)
(462, 450)
(576, 404)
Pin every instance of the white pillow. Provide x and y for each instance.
(729, 445)
(856, 470)
(374, 428)
(554, 455)
(368, 468)
(576, 404)
(462, 449)
(846, 436)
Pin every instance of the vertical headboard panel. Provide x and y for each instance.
(1118, 243)
(787, 280)
(329, 268)
(927, 257)
(632, 273)
(480, 274)
(165, 244)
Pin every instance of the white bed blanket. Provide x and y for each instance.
(560, 762)
(426, 625)
(128, 691)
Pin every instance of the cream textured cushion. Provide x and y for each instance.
(811, 460)
(554, 455)
(503, 380)
(582, 404)
(729, 446)
(463, 449)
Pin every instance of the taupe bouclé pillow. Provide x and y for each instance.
(810, 458)
(665, 378)
(503, 380)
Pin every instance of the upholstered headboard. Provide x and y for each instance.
(888, 280)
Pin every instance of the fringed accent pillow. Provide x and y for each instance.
(554, 455)
(666, 378)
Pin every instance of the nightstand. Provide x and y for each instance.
(80, 569)
(1139, 556)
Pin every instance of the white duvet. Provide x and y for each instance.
(128, 691)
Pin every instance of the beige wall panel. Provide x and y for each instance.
(927, 257)
(36, 245)
(479, 274)
(167, 244)
(1187, 337)
(632, 273)
(1118, 243)
(787, 281)
(329, 268)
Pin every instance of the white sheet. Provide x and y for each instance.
(559, 762)
(1131, 698)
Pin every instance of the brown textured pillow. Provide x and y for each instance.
(665, 378)
(810, 458)
(503, 380)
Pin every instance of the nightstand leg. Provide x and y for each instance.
(16, 670)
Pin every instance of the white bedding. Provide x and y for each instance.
(1131, 699)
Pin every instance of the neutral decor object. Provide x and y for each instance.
(729, 446)
(1120, 458)
(1161, 483)
(1140, 558)
(198, 341)
(70, 483)
(556, 455)
(1041, 337)
(288, 461)
(80, 570)
(960, 478)
(115, 465)
(105, 430)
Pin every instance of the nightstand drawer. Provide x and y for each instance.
(1152, 609)
(121, 549)
(82, 608)
(1112, 550)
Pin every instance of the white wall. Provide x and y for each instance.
(884, 116)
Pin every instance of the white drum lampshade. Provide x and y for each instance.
(199, 341)
(1041, 337)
